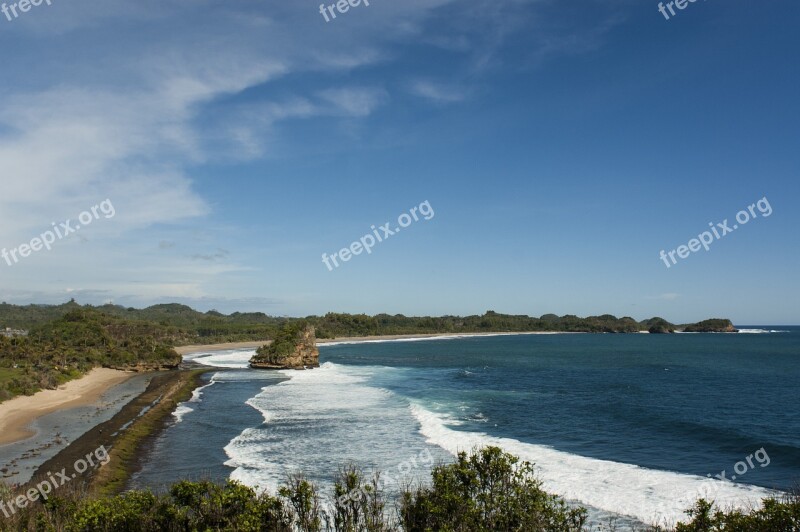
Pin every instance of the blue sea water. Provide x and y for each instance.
(635, 425)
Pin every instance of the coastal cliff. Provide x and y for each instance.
(294, 347)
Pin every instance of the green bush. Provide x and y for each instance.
(359, 505)
(774, 516)
(488, 490)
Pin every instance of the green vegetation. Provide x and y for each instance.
(659, 326)
(188, 326)
(67, 347)
(337, 325)
(334, 325)
(284, 343)
(487, 491)
(715, 325)
(776, 515)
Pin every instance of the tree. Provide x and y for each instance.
(488, 490)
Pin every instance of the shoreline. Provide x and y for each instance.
(428, 336)
(18, 414)
(202, 348)
(210, 348)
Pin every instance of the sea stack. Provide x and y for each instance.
(294, 347)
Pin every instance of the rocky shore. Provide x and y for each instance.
(126, 434)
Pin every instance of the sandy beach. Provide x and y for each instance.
(189, 349)
(17, 414)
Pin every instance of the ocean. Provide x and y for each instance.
(632, 425)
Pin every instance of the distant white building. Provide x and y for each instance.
(10, 333)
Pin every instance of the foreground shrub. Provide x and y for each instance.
(774, 516)
(190, 506)
(359, 504)
(489, 490)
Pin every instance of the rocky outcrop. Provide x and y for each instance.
(660, 329)
(659, 326)
(294, 347)
(712, 326)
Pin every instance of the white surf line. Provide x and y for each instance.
(323, 343)
(648, 495)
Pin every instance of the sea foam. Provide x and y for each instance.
(184, 408)
(181, 411)
(648, 495)
(459, 336)
(760, 331)
(231, 358)
(321, 419)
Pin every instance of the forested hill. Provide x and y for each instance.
(190, 326)
(56, 351)
(194, 324)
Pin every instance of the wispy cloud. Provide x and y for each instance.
(354, 101)
(437, 92)
(666, 297)
(219, 254)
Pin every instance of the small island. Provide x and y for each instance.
(294, 347)
(716, 325)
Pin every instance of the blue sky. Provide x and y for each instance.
(562, 145)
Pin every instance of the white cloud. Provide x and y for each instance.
(437, 92)
(354, 101)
